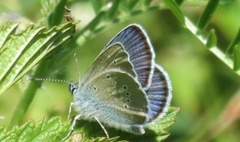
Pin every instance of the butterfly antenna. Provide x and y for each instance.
(58, 80)
(49, 80)
(76, 61)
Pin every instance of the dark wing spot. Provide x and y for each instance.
(125, 87)
(108, 76)
(94, 88)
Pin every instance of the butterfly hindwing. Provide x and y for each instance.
(159, 94)
(116, 94)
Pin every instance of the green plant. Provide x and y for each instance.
(22, 50)
(39, 41)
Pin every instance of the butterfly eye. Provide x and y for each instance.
(73, 88)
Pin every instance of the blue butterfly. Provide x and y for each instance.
(124, 88)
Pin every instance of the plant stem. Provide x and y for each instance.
(29, 95)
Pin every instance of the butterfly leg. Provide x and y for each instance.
(105, 131)
(71, 127)
(139, 130)
(70, 110)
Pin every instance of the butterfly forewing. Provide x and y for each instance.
(137, 44)
(114, 57)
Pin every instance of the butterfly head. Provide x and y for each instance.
(73, 87)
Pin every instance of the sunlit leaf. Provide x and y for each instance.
(234, 42)
(236, 57)
(128, 5)
(20, 51)
(171, 4)
(54, 11)
(212, 39)
(97, 5)
(51, 130)
(207, 14)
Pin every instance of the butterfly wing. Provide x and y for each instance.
(114, 57)
(110, 91)
(118, 98)
(159, 94)
(138, 46)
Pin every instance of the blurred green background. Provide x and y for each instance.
(204, 88)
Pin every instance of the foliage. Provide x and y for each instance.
(50, 130)
(22, 47)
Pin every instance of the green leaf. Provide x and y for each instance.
(171, 4)
(113, 9)
(234, 43)
(207, 14)
(54, 11)
(160, 127)
(236, 65)
(104, 139)
(212, 39)
(179, 2)
(97, 5)
(2, 133)
(127, 6)
(21, 51)
(51, 130)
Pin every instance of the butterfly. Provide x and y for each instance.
(123, 88)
